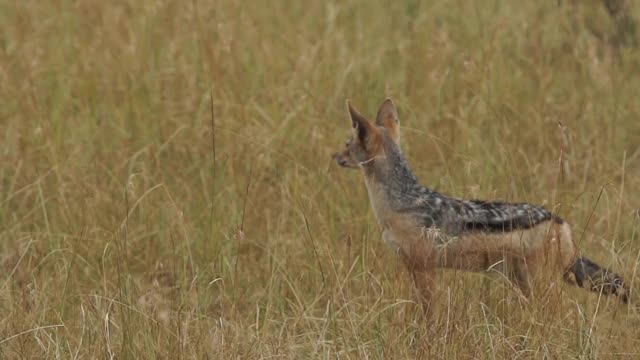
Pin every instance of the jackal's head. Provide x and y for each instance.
(368, 139)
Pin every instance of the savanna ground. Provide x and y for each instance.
(135, 225)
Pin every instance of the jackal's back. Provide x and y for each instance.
(457, 216)
(492, 216)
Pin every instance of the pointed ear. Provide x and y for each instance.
(388, 118)
(362, 128)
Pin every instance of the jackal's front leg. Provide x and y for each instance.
(419, 256)
(424, 282)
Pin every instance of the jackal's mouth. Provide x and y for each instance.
(342, 161)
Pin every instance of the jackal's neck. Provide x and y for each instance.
(390, 182)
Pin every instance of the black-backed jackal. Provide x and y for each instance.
(431, 230)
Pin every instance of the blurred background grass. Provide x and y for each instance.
(135, 225)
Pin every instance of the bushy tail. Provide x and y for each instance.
(590, 275)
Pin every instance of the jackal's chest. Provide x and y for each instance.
(391, 241)
(397, 227)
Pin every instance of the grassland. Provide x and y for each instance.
(134, 225)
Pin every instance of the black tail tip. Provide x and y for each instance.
(615, 286)
(592, 276)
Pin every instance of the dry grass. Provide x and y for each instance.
(130, 229)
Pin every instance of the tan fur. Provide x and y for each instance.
(381, 209)
(522, 256)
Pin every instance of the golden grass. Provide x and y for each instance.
(133, 227)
